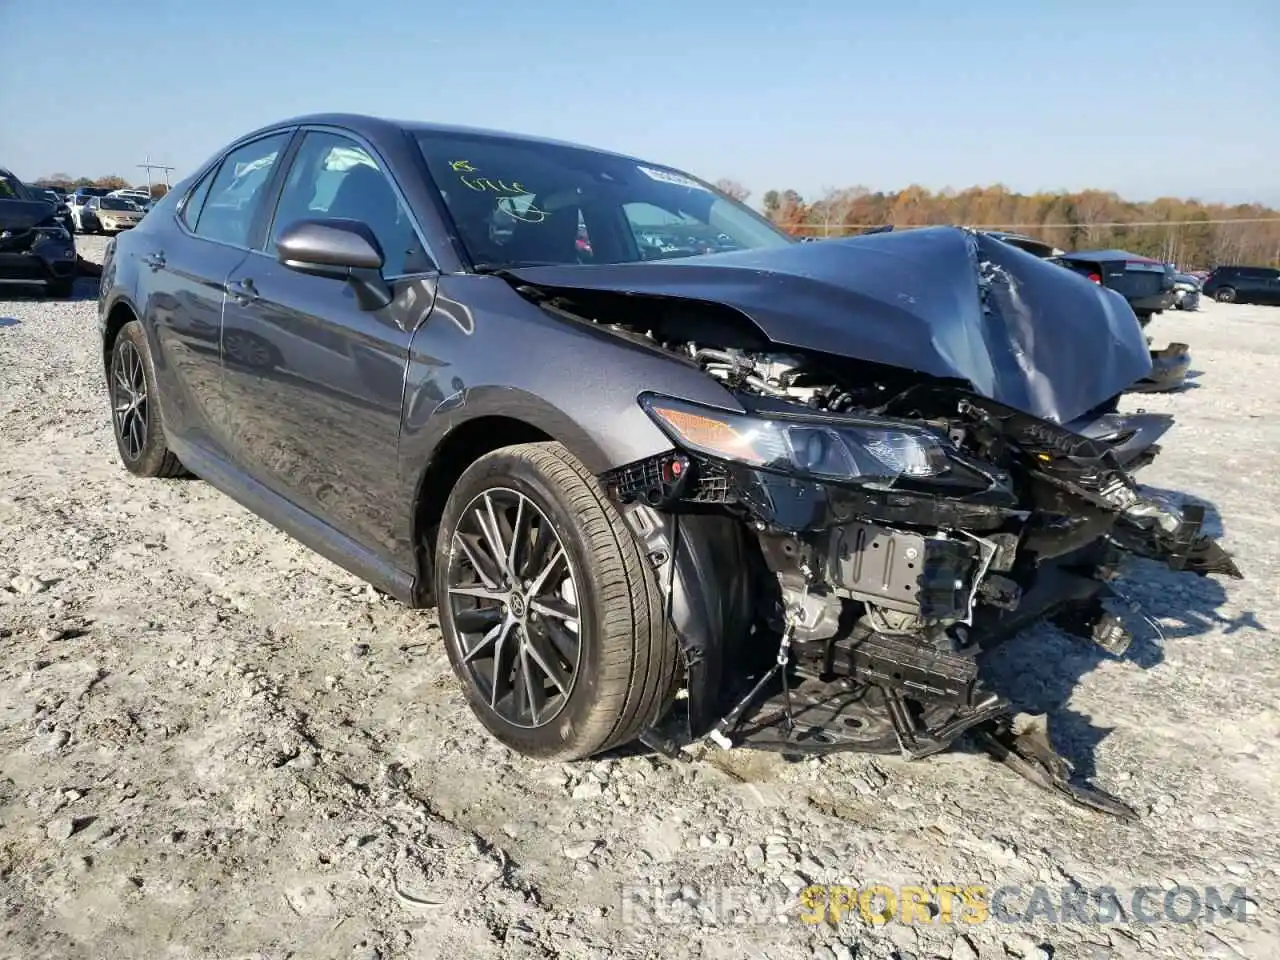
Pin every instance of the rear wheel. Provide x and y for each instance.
(1225, 294)
(552, 620)
(135, 412)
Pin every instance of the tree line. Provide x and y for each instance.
(65, 182)
(1192, 234)
(1189, 233)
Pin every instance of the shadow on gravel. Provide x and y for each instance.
(86, 288)
(1038, 670)
(9, 321)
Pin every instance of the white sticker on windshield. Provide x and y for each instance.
(666, 176)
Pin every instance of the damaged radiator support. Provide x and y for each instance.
(880, 694)
(833, 687)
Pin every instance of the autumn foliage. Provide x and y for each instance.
(1189, 233)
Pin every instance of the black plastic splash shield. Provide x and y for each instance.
(940, 301)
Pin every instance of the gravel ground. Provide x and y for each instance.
(214, 743)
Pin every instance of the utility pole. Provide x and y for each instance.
(148, 165)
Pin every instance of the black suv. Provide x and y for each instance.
(35, 245)
(1243, 285)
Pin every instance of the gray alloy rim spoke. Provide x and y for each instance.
(512, 602)
(536, 586)
(480, 618)
(479, 591)
(547, 660)
(129, 400)
(561, 639)
(515, 541)
(557, 609)
(488, 524)
(495, 637)
(476, 564)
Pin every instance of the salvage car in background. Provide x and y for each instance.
(75, 209)
(109, 215)
(1147, 284)
(1232, 284)
(35, 246)
(779, 496)
(1186, 292)
(1134, 279)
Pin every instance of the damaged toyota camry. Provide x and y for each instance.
(666, 473)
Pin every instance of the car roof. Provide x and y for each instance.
(374, 127)
(1106, 255)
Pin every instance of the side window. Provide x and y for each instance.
(235, 194)
(333, 176)
(195, 200)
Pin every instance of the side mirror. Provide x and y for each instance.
(340, 250)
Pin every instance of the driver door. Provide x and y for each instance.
(313, 383)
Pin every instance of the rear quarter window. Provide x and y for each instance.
(194, 203)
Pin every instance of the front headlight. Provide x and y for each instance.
(862, 451)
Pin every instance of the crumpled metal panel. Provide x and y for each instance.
(942, 301)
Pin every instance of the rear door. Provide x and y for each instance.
(313, 383)
(184, 269)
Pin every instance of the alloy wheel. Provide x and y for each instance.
(129, 399)
(513, 601)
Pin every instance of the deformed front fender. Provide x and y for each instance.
(430, 418)
(702, 565)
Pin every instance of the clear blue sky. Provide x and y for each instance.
(1147, 99)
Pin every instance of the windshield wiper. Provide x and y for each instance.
(507, 266)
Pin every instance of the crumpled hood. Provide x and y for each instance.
(22, 214)
(943, 301)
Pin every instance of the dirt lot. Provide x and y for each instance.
(215, 744)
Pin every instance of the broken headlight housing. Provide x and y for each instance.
(864, 451)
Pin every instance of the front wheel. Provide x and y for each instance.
(552, 620)
(1225, 295)
(135, 412)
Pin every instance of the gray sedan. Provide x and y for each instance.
(778, 495)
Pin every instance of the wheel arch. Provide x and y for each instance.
(458, 449)
(120, 313)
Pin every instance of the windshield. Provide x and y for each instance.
(519, 202)
(11, 188)
(117, 203)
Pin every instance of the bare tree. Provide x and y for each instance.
(733, 188)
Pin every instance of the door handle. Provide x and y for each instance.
(242, 291)
(154, 260)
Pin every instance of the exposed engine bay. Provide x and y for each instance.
(883, 526)
(886, 594)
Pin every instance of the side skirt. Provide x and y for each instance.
(308, 530)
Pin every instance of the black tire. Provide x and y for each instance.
(627, 657)
(1225, 294)
(139, 438)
